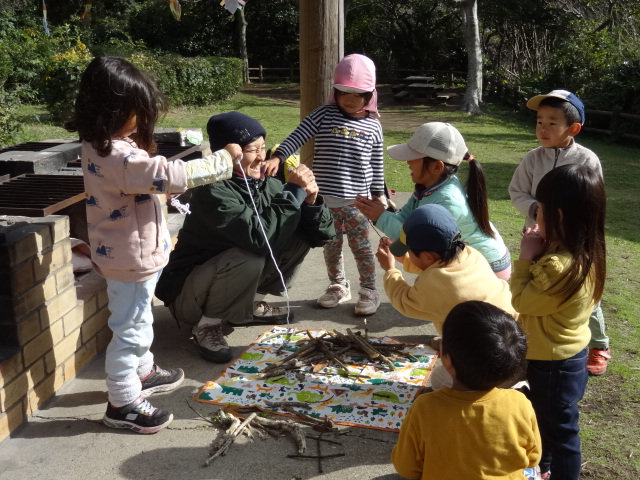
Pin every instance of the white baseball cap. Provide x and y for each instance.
(438, 140)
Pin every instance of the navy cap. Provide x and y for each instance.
(233, 127)
(429, 228)
(565, 95)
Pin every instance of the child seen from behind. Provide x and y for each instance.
(347, 162)
(450, 272)
(556, 281)
(115, 113)
(560, 117)
(472, 430)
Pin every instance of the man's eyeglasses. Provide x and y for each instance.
(257, 150)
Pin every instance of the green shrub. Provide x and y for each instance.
(62, 78)
(9, 122)
(185, 81)
(193, 81)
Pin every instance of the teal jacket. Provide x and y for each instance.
(450, 194)
(222, 216)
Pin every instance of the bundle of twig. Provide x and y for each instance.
(332, 348)
(263, 427)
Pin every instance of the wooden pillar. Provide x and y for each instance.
(320, 50)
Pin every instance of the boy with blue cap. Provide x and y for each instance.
(450, 272)
(560, 117)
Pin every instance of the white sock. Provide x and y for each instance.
(145, 364)
(208, 321)
(123, 389)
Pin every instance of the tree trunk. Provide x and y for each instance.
(241, 24)
(319, 54)
(473, 94)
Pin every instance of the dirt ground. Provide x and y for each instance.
(394, 116)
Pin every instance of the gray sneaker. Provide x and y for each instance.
(211, 343)
(266, 314)
(368, 302)
(335, 295)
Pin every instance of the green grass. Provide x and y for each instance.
(499, 140)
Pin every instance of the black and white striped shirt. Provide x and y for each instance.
(348, 158)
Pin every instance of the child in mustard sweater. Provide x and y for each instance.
(473, 429)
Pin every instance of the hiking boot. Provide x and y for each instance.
(161, 380)
(265, 314)
(211, 343)
(368, 302)
(335, 295)
(598, 361)
(139, 416)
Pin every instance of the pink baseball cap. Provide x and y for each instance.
(356, 73)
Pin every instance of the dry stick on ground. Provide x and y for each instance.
(328, 348)
(263, 426)
(231, 437)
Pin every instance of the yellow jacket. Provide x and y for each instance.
(555, 330)
(438, 289)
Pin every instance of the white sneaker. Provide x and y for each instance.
(335, 295)
(368, 302)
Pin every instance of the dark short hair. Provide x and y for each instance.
(366, 95)
(485, 345)
(570, 112)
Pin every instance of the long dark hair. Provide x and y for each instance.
(111, 90)
(476, 189)
(573, 200)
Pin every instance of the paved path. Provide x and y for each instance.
(66, 439)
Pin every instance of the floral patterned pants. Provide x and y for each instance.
(348, 220)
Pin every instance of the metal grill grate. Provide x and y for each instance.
(30, 147)
(35, 195)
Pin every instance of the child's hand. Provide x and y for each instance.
(385, 258)
(532, 245)
(372, 209)
(235, 150)
(271, 166)
(303, 176)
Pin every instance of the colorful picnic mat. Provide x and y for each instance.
(378, 398)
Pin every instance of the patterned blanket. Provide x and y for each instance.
(375, 398)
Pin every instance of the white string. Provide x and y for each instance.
(264, 233)
(183, 208)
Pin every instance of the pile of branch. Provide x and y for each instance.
(331, 348)
(252, 425)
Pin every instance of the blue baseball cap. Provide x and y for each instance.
(429, 228)
(534, 102)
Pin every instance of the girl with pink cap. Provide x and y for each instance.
(347, 162)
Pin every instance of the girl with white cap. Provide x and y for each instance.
(347, 162)
(433, 154)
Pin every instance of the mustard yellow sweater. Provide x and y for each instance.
(454, 435)
(438, 289)
(555, 330)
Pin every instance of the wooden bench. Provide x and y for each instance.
(398, 87)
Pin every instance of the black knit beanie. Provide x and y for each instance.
(233, 127)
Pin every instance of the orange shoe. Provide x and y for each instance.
(598, 360)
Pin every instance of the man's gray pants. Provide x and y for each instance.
(225, 286)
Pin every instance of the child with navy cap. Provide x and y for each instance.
(451, 272)
(560, 117)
